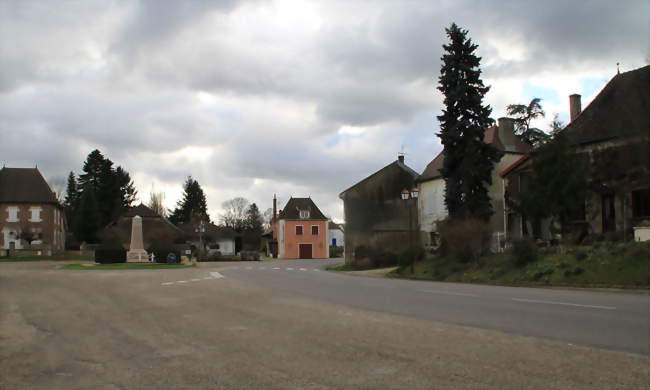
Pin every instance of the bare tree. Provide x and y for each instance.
(156, 203)
(57, 184)
(234, 213)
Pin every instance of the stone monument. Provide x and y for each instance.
(136, 251)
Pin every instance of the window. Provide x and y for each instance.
(314, 230)
(35, 214)
(13, 214)
(641, 203)
(304, 214)
(299, 230)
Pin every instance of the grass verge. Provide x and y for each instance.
(608, 265)
(122, 266)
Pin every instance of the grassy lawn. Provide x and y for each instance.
(602, 265)
(122, 266)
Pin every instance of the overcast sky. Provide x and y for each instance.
(299, 98)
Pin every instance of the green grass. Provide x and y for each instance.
(122, 266)
(602, 265)
(342, 267)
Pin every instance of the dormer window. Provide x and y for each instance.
(304, 214)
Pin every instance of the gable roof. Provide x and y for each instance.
(141, 210)
(621, 109)
(24, 185)
(334, 226)
(294, 205)
(397, 163)
(432, 171)
(210, 229)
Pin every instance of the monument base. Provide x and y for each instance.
(137, 256)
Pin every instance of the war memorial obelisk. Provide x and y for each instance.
(136, 251)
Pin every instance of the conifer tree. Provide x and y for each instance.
(469, 161)
(87, 216)
(192, 205)
(71, 197)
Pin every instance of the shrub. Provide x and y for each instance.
(524, 251)
(249, 255)
(466, 240)
(414, 253)
(336, 251)
(161, 254)
(372, 257)
(110, 255)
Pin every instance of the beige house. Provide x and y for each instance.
(431, 204)
(31, 218)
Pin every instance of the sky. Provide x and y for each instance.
(294, 98)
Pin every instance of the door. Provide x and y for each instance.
(609, 213)
(305, 251)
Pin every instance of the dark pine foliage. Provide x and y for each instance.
(71, 197)
(113, 192)
(87, 216)
(469, 161)
(192, 206)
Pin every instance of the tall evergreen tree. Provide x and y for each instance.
(71, 197)
(469, 161)
(192, 205)
(254, 221)
(87, 217)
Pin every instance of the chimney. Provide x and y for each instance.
(575, 106)
(400, 157)
(506, 132)
(275, 207)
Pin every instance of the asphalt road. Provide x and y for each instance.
(221, 327)
(617, 321)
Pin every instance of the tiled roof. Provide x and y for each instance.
(141, 210)
(24, 185)
(333, 226)
(621, 109)
(294, 205)
(432, 171)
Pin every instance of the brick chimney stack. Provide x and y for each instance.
(574, 106)
(275, 207)
(400, 157)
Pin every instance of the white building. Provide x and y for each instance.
(336, 234)
(431, 204)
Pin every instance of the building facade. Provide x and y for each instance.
(31, 218)
(300, 231)
(431, 205)
(376, 217)
(336, 234)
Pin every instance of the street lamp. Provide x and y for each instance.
(200, 229)
(406, 195)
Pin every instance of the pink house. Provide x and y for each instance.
(300, 230)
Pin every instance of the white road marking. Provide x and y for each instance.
(167, 283)
(564, 304)
(303, 269)
(276, 267)
(449, 293)
(289, 269)
(208, 278)
(181, 281)
(216, 275)
(195, 280)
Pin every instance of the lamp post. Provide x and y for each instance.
(406, 195)
(200, 229)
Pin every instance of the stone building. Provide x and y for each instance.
(375, 215)
(612, 138)
(31, 217)
(431, 205)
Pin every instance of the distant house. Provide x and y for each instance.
(336, 234)
(300, 231)
(156, 230)
(431, 204)
(30, 215)
(221, 239)
(612, 137)
(375, 215)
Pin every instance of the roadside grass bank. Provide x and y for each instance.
(603, 265)
(122, 266)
